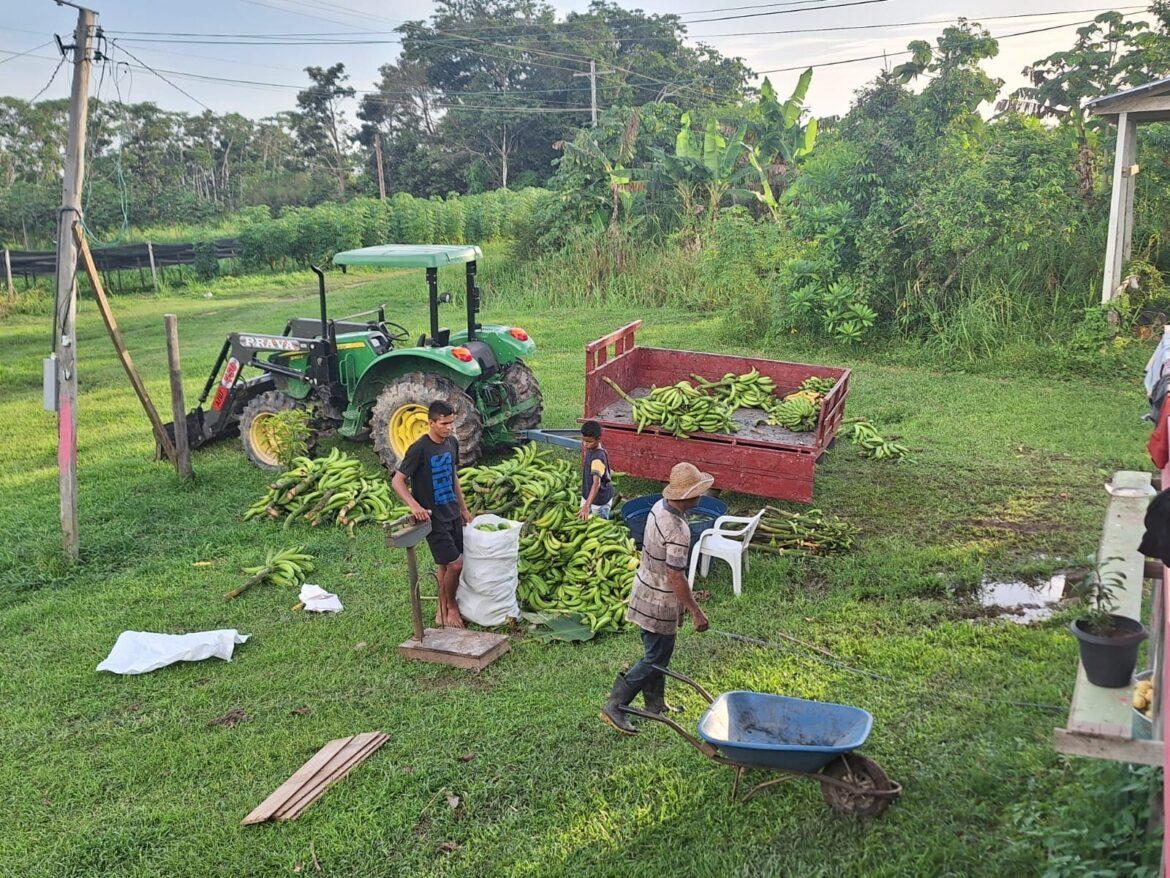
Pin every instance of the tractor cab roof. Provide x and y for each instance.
(410, 255)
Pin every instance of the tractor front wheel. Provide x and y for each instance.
(399, 418)
(256, 428)
(522, 386)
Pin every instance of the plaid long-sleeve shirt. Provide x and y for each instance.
(666, 546)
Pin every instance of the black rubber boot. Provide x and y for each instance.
(620, 695)
(654, 694)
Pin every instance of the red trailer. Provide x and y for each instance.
(760, 459)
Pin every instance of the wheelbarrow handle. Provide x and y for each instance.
(703, 747)
(685, 679)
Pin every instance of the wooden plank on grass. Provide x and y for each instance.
(341, 766)
(304, 774)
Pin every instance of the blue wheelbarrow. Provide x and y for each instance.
(791, 736)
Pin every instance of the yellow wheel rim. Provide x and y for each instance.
(262, 440)
(407, 425)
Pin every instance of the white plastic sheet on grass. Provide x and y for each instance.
(139, 652)
(317, 600)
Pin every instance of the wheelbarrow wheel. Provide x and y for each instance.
(860, 771)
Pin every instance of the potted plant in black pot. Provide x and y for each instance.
(1109, 643)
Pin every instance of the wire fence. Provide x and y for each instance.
(39, 263)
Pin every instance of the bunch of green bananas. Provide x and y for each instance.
(870, 443)
(797, 412)
(572, 566)
(284, 567)
(750, 390)
(522, 487)
(680, 409)
(819, 386)
(809, 532)
(332, 488)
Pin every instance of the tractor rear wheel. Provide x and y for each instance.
(522, 386)
(399, 418)
(255, 428)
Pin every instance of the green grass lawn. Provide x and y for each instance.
(108, 775)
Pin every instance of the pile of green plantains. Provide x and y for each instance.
(572, 566)
(808, 532)
(567, 566)
(708, 406)
(680, 409)
(328, 489)
(871, 443)
(523, 487)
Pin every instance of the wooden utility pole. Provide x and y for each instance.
(178, 403)
(592, 74)
(65, 312)
(378, 159)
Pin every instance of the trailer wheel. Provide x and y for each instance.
(258, 441)
(399, 418)
(522, 386)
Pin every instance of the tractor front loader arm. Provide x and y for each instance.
(233, 392)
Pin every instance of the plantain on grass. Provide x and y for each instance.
(283, 567)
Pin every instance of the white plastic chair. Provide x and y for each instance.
(729, 543)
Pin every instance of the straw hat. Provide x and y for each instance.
(687, 482)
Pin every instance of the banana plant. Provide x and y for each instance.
(777, 137)
(706, 165)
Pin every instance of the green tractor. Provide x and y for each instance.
(363, 376)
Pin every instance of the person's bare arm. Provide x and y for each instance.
(463, 510)
(403, 492)
(682, 591)
(588, 501)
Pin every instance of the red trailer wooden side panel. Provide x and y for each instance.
(736, 468)
(758, 459)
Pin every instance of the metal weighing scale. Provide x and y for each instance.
(460, 647)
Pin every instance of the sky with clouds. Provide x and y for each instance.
(746, 29)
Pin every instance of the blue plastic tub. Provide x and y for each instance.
(775, 731)
(636, 511)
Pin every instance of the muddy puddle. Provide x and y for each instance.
(1023, 602)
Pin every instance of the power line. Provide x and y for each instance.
(908, 52)
(52, 77)
(181, 91)
(16, 55)
(316, 38)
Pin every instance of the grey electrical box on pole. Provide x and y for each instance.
(65, 312)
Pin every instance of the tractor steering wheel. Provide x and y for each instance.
(403, 333)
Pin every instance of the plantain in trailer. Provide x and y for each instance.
(361, 376)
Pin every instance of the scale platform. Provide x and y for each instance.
(459, 647)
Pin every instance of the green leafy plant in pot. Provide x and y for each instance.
(1109, 643)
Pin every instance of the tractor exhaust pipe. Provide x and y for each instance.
(317, 270)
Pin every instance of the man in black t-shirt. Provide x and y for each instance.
(431, 465)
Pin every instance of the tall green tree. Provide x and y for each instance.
(321, 125)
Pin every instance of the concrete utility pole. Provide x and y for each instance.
(378, 159)
(592, 74)
(65, 313)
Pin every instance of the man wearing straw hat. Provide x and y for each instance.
(660, 596)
